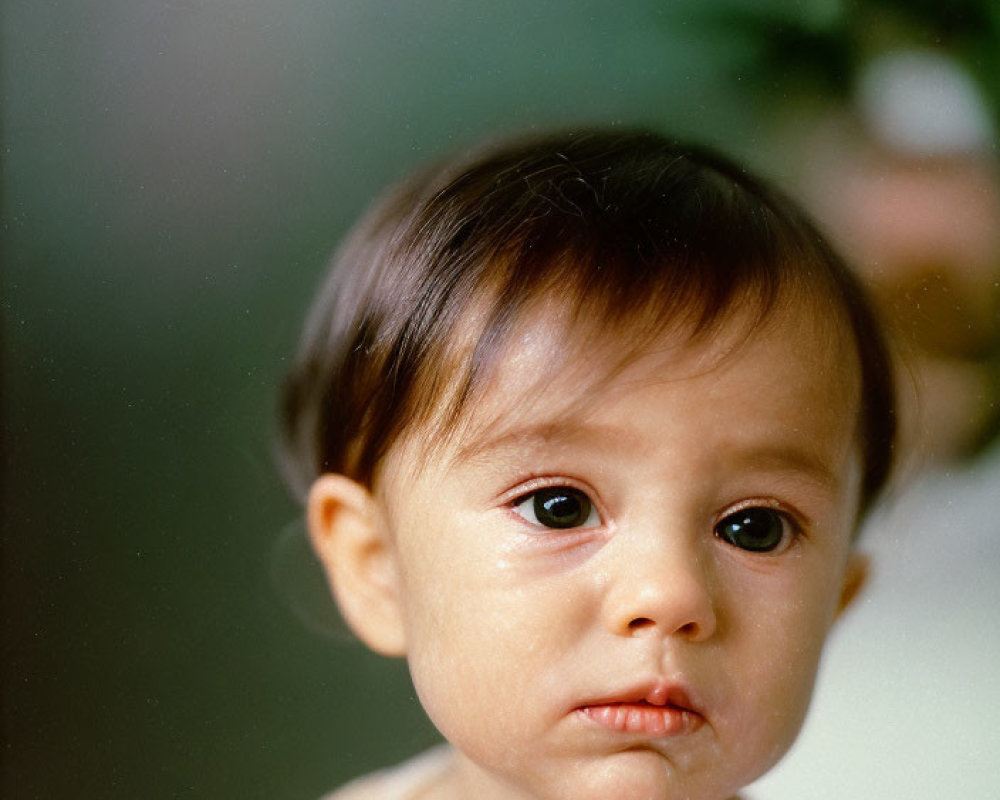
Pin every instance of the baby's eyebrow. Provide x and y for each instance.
(768, 456)
(782, 458)
(549, 434)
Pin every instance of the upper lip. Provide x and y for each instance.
(661, 693)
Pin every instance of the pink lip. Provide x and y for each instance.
(658, 710)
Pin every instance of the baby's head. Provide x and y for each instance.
(587, 424)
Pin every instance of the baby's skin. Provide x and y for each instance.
(615, 583)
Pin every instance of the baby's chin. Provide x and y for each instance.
(644, 774)
(634, 774)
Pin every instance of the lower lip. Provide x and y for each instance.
(644, 718)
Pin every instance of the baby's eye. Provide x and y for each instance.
(558, 507)
(758, 529)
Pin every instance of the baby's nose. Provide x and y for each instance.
(661, 587)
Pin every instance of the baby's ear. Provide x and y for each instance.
(351, 539)
(855, 578)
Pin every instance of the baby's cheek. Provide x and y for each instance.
(478, 657)
(451, 649)
(774, 658)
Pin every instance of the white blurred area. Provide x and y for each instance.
(908, 700)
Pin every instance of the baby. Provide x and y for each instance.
(586, 425)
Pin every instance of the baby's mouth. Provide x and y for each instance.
(662, 711)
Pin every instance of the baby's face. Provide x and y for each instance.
(627, 596)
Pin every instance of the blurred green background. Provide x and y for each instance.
(175, 175)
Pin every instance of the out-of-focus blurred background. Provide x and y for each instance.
(175, 175)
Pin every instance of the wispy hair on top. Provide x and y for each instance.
(629, 231)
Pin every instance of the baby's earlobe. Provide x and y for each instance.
(855, 578)
(350, 539)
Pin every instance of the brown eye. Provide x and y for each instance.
(558, 507)
(758, 529)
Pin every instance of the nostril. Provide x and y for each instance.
(640, 624)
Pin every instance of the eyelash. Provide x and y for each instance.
(550, 500)
(742, 516)
(740, 519)
(535, 485)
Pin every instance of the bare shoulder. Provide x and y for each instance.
(401, 782)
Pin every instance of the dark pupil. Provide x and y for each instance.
(756, 529)
(560, 507)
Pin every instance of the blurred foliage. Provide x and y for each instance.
(819, 46)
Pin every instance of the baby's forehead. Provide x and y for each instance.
(554, 374)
